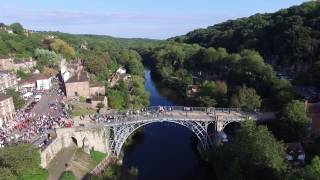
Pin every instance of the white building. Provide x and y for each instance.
(38, 81)
(43, 82)
(121, 70)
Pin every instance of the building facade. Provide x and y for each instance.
(6, 64)
(8, 80)
(24, 65)
(78, 85)
(7, 109)
(97, 88)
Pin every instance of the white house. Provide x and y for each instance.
(37, 80)
(121, 70)
(43, 82)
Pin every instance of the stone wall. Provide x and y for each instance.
(85, 138)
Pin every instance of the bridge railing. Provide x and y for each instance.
(186, 108)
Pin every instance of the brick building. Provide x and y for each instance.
(7, 109)
(97, 88)
(24, 65)
(10, 64)
(78, 85)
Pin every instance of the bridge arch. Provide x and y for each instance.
(121, 133)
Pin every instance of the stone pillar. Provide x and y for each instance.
(219, 123)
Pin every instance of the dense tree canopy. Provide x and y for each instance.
(21, 162)
(47, 58)
(287, 38)
(293, 121)
(312, 171)
(246, 98)
(61, 47)
(253, 154)
(179, 65)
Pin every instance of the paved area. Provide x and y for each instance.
(57, 165)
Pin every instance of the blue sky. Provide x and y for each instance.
(131, 18)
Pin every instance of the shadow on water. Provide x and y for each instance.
(166, 150)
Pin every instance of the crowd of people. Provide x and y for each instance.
(28, 125)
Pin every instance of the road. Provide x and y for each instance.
(57, 165)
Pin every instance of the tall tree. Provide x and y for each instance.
(246, 98)
(293, 121)
(254, 153)
(17, 28)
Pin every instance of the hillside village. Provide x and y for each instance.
(248, 89)
(29, 92)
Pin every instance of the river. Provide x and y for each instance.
(167, 151)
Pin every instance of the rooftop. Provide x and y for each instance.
(79, 77)
(36, 77)
(96, 84)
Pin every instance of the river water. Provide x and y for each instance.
(167, 151)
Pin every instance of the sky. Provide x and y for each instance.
(156, 19)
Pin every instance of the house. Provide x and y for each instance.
(43, 82)
(67, 70)
(192, 90)
(7, 110)
(8, 80)
(95, 100)
(295, 154)
(27, 86)
(6, 63)
(120, 74)
(9, 64)
(78, 85)
(97, 88)
(122, 70)
(24, 65)
(37, 81)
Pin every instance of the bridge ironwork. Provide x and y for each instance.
(197, 119)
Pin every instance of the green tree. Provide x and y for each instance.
(17, 100)
(254, 153)
(246, 98)
(47, 58)
(21, 74)
(312, 171)
(21, 162)
(17, 28)
(293, 122)
(61, 47)
(67, 175)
